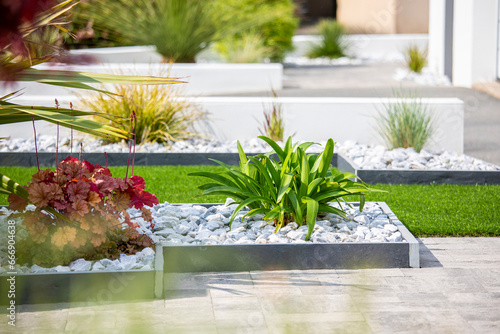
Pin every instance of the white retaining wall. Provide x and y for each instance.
(202, 79)
(312, 119)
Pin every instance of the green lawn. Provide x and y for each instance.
(430, 210)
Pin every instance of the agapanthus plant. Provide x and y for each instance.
(81, 206)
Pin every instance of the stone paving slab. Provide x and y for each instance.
(457, 290)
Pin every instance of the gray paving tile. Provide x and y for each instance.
(485, 327)
(431, 321)
(308, 304)
(297, 324)
(241, 303)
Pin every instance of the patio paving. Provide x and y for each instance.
(457, 290)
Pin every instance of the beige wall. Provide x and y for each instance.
(384, 16)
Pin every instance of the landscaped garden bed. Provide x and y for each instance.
(203, 254)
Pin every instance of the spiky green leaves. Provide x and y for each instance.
(295, 187)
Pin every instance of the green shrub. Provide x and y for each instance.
(405, 123)
(161, 115)
(179, 29)
(277, 31)
(333, 43)
(249, 48)
(296, 187)
(416, 60)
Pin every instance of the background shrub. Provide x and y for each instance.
(333, 43)
(247, 48)
(277, 31)
(179, 29)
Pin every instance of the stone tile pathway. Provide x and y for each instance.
(457, 290)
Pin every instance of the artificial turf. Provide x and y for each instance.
(427, 210)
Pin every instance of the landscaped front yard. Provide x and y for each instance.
(427, 210)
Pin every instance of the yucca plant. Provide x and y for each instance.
(295, 187)
(405, 123)
(416, 59)
(332, 44)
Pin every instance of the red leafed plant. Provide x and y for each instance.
(81, 210)
(90, 203)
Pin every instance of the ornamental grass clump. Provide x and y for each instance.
(405, 123)
(274, 124)
(333, 43)
(162, 115)
(295, 187)
(415, 59)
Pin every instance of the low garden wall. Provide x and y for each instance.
(311, 119)
(201, 79)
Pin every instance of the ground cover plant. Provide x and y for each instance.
(427, 210)
(294, 187)
(405, 123)
(332, 44)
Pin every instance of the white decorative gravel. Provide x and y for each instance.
(193, 225)
(365, 156)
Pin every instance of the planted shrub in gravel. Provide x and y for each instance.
(405, 123)
(162, 117)
(295, 188)
(333, 43)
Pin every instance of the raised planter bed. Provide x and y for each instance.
(103, 287)
(93, 286)
(296, 256)
(371, 176)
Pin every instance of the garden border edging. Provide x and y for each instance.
(389, 176)
(92, 286)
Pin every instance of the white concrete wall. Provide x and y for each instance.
(202, 79)
(475, 30)
(315, 119)
(436, 58)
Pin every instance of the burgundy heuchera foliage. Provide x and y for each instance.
(86, 194)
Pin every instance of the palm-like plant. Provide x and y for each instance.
(296, 187)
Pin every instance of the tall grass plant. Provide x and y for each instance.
(405, 123)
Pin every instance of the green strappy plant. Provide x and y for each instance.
(294, 187)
